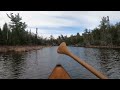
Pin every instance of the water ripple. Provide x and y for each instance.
(38, 64)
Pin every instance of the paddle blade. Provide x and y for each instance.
(62, 49)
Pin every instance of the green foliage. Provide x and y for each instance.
(1, 37)
(18, 29)
(5, 34)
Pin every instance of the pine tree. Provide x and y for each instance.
(5, 34)
(1, 37)
(18, 29)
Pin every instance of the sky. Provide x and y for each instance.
(61, 22)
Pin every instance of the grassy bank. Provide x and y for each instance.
(19, 48)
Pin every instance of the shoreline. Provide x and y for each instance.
(107, 47)
(30, 48)
(20, 48)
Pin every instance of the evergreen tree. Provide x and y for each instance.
(1, 37)
(18, 29)
(5, 34)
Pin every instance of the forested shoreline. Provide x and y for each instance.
(104, 35)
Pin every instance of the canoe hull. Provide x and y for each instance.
(59, 73)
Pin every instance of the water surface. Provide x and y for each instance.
(38, 64)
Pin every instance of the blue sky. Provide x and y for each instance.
(61, 22)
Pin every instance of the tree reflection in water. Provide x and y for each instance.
(13, 64)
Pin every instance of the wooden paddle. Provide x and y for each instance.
(62, 49)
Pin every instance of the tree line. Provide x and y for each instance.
(15, 33)
(106, 34)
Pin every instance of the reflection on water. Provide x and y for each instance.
(110, 62)
(38, 64)
(11, 65)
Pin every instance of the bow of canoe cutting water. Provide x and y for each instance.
(38, 64)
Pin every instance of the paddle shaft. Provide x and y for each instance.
(62, 49)
(87, 66)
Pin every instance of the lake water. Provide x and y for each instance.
(38, 64)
